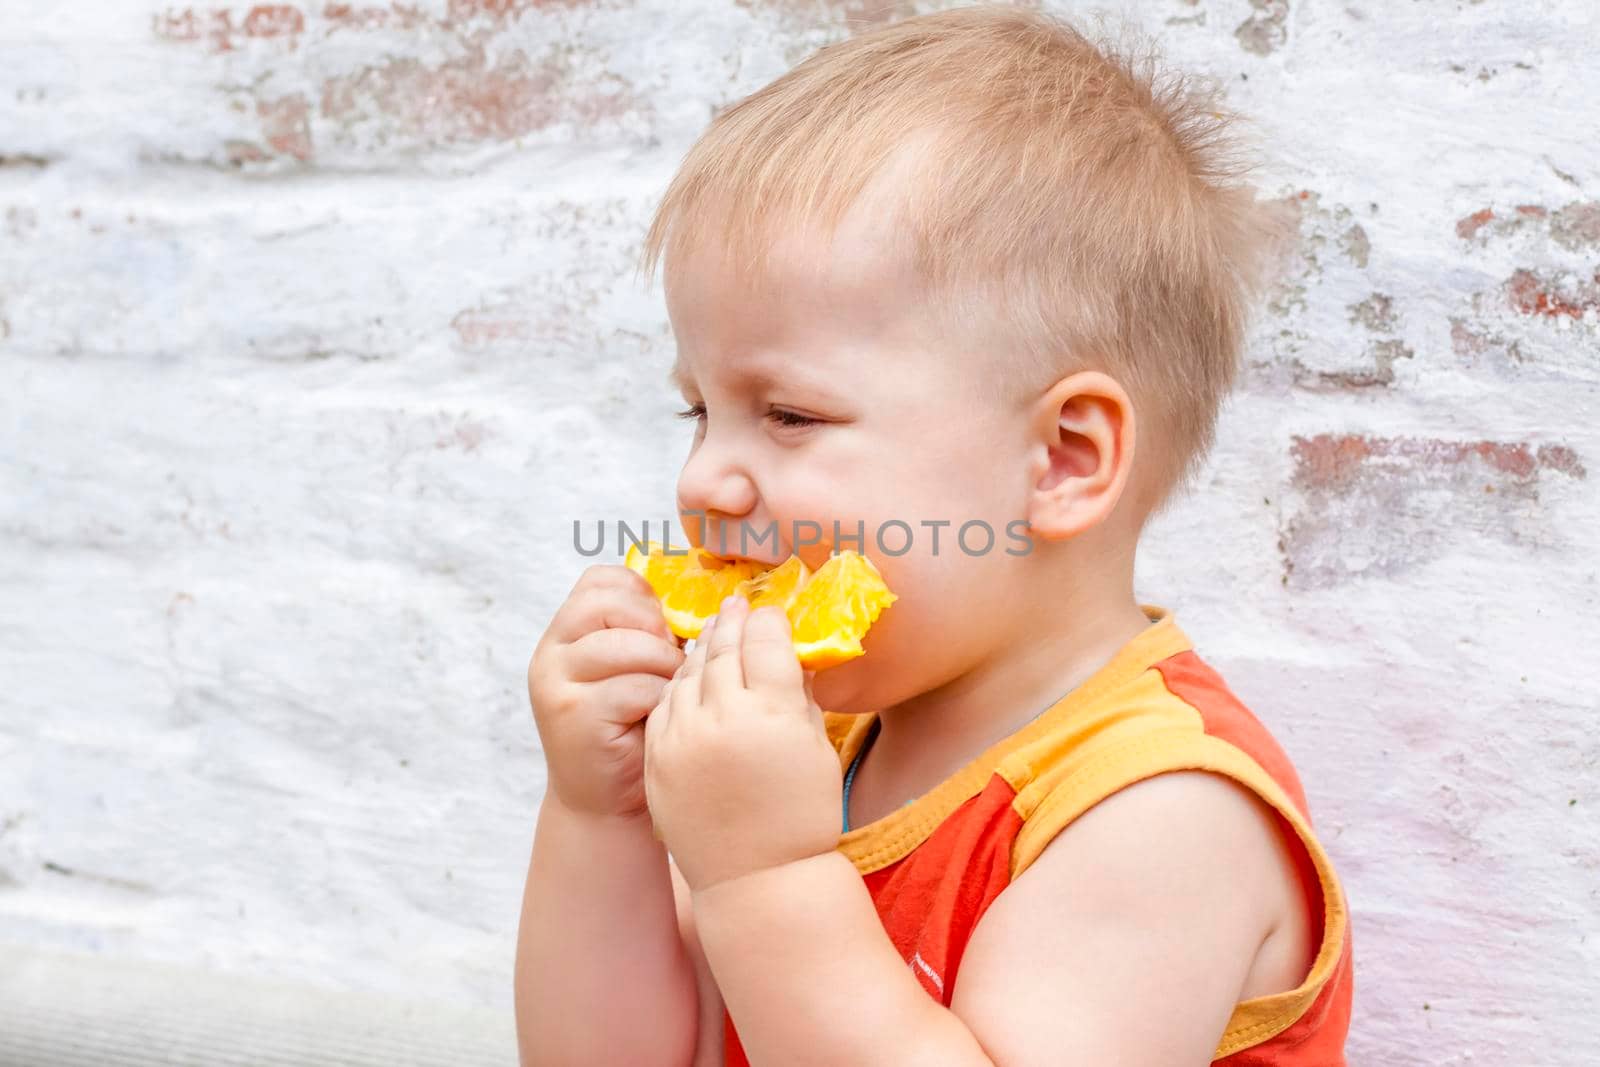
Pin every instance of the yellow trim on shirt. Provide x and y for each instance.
(1185, 747)
(881, 842)
(1120, 726)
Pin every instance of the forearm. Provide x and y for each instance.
(602, 975)
(810, 976)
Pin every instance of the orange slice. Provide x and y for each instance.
(689, 585)
(835, 609)
(778, 586)
(829, 611)
(655, 566)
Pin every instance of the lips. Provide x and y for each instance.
(711, 544)
(748, 559)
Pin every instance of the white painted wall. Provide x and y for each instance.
(318, 327)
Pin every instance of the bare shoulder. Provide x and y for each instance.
(1154, 913)
(708, 1048)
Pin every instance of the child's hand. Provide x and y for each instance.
(596, 673)
(739, 771)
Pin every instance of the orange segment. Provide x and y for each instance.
(654, 565)
(829, 611)
(835, 609)
(690, 585)
(698, 593)
(778, 586)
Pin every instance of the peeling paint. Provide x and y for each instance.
(1530, 294)
(1264, 32)
(468, 99)
(1382, 506)
(1576, 226)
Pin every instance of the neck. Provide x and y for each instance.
(1051, 649)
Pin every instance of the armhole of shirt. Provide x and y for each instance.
(1259, 1018)
(837, 724)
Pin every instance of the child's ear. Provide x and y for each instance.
(1081, 454)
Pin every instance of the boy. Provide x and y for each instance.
(960, 271)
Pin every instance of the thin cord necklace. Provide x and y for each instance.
(872, 734)
(850, 776)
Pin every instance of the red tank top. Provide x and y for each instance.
(934, 866)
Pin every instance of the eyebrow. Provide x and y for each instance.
(678, 375)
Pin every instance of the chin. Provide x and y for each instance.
(870, 682)
(846, 688)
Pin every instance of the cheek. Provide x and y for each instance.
(950, 519)
(940, 626)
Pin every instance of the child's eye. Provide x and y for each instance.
(791, 418)
(780, 416)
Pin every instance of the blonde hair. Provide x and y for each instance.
(1075, 196)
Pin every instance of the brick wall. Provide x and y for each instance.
(318, 326)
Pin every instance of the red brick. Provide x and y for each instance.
(363, 18)
(1367, 506)
(1575, 226)
(286, 125)
(468, 99)
(1479, 347)
(857, 15)
(1469, 226)
(219, 27)
(1336, 461)
(1560, 458)
(1531, 295)
(190, 26)
(503, 10)
(274, 20)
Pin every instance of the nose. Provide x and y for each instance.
(717, 486)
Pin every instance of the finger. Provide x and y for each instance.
(695, 661)
(603, 653)
(609, 608)
(604, 575)
(723, 674)
(684, 694)
(627, 698)
(613, 576)
(621, 599)
(657, 719)
(768, 653)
